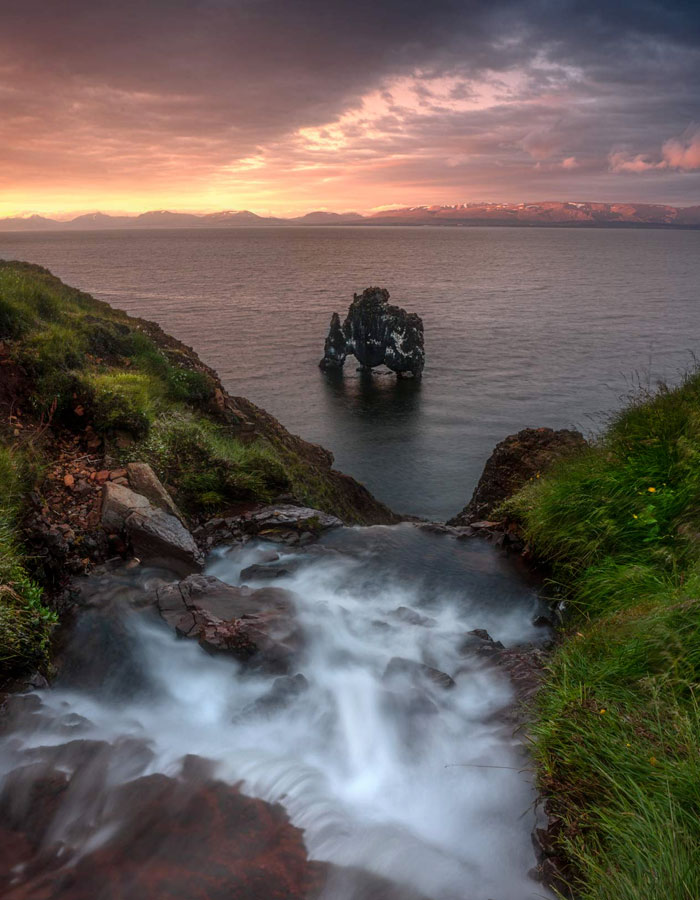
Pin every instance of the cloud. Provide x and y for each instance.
(683, 153)
(679, 153)
(213, 103)
(621, 161)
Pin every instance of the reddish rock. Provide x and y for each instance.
(251, 625)
(68, 480)
(166, 838)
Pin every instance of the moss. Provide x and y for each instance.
(122, 401)
(208, 465)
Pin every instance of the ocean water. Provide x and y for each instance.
(523, 327)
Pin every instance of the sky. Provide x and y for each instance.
(286, 106)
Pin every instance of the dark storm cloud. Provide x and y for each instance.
(137, 91)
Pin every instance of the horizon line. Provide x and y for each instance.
(67, 218)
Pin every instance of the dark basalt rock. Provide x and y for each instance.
(376, 333)
(400, 667)
(516, 460)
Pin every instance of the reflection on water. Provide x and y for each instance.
(377, 396)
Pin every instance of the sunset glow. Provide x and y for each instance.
(204, 106)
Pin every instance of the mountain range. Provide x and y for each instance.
(547, 213)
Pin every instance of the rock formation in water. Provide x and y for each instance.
(376, 333)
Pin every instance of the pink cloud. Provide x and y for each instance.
(679, 153)
(625, 162)
(684, 152)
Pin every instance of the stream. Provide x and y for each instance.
(403, 783)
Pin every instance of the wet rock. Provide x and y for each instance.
(156, 536)
(161, 539)
(258, 572)
(401, 667)
(411, 617)
(283, 692)
(516, 460)
(144, 481)
(284, 523)
(479, 642)
(376, 333)
(335, 349)
(100, 655)
(160, 837)
(254, 626)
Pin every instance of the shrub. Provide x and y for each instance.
(122, 401)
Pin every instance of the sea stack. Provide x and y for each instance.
(376, 333)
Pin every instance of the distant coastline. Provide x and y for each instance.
(552, 214)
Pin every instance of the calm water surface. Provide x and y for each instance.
(523, 327)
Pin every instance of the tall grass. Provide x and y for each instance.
(25, 623)
(617, 730)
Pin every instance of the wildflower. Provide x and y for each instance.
(628, 745)
(652, 490)
(635, 516)
(603, 711)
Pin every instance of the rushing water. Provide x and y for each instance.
(425, 786)
(523, 327)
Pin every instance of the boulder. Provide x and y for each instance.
(156, 536)
(258, 627)
(118, 503)
(411, 617)
(376, 333)
(399, 666)
(516, 460)
(144, 481)
(284, 522)
(152, 836)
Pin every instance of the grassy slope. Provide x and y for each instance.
(25, 623)
(84, 368)
(617, 733)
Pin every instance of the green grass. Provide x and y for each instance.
(25, 623)
(617, 729)
(210, 466)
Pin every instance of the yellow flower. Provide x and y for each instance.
(652, 490)
(628, 745)
(602, 711)
(635, 516)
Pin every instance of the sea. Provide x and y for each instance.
(523, 327)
